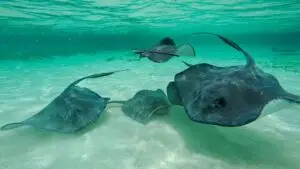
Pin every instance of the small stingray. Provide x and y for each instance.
(165, 50)
(226, 96)
(74, 109)
(144, 104)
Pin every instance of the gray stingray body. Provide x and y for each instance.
(225, 96)
(74, 109)
(162, 52)
(145, 104)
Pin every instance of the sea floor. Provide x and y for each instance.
(117, 142)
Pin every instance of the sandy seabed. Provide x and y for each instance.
(116, 141)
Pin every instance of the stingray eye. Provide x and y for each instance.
(219, 103)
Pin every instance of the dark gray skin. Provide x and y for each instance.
(145, 104)
(164, 51)
(74, 109)
(226, 96)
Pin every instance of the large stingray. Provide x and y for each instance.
(74, 109)
(145, 104)
(226, 96)
(165, 50)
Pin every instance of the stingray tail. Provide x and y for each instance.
(155, 52)
(186, 63)
(291, 97)
(96, 75)
(249, 58)
(11, 126)
(162, 53)
(186, 50)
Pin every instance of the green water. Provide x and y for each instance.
(46, 45)
(39, 29)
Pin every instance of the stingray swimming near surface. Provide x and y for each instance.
(74, 109)
(165, 50)
(145, 104)
(226, 96)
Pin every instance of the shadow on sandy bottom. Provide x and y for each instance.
(238, 146)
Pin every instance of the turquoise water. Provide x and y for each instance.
(46, 45)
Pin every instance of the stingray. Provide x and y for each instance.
(165, 50)
(226, 96)
(74, 109)
(145, 104)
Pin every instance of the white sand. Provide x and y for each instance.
(117, 142)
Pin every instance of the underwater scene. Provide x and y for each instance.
(150, 84)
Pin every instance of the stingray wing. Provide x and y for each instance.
(71, 111)
(74, 109)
